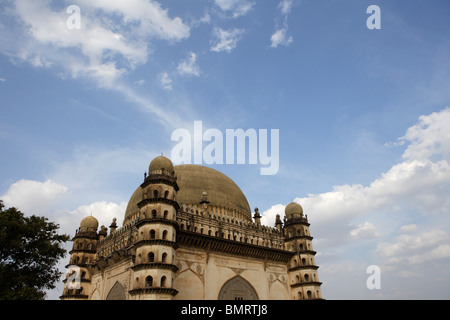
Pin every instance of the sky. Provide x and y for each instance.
(92, 91)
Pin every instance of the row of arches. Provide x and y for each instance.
(304, 262)
(151, 281)
(155, 214)
(80, 259)
(156, 193)
(306, 278)
(156, 234)
(308, 295)
(143, 256)
(83, 245)
(297, 232)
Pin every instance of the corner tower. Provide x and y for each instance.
(154, 266)
(302, 269)
(77, 285)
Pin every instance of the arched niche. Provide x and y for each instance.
(117, 292)
(237, 288)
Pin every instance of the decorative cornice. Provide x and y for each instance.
(159, 242)
(210, 243)
(304, 267)
(141, 222)
(160, 178)
(149, 290)
(92, 251)
(298, 237)
(291, 221)
(307, 283)
(144, 202)
(307, 252)
(155, 265)
(74, 296)
(81, 280)
(85, 235)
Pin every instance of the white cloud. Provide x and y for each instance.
(237, 7)
(409, 228)
(226, 40)
(115, 37)
(140, 82)
(34, 197)
(103, 211)
(430, 137)
(189, 66)
(2, 79)
(146, 18)
(417, 183)
(285, 6)
(364, 231)
(165, 81)
(407, 243)
(279, 37)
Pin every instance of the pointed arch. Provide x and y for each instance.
(237, 288)
(117, 292)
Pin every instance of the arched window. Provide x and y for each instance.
(309, 294)
(166, 214)
(164, 235)
(297, 279)
(303, 261)
(152, 234)
(163, 281)
(306, 277)
(151, 257)
(155, 194)
(166, 194)
(154, 214)
(149, 281)
(164, 257)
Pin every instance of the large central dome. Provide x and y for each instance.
(193, 180)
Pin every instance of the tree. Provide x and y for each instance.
(30, 249)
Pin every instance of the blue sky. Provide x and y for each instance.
(362, 115)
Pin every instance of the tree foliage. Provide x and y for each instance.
(30, 248)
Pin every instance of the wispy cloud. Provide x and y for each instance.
(165, 81)
(226, 40)
(280, 36)
(238, 8)
(189, 66)
(114, 39)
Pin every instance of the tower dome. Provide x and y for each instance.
(160, 163)
(293, 209)
(89, 224)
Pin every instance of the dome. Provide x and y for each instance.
(194, 181)
(89, 223)
(293, 208)
(160, 163)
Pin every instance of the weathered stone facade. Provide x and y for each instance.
(188, 234)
